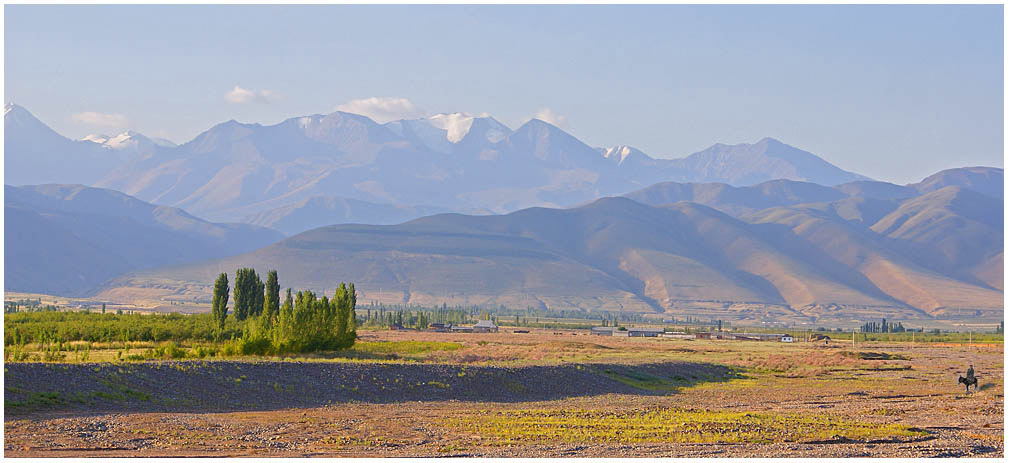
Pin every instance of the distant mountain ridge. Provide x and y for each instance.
(737, 201)
(326, 210)
(453, 161)
(65, 239)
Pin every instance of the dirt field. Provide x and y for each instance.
(539, 394)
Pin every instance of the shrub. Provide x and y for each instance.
(256, 346)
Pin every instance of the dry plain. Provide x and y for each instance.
(548, 393)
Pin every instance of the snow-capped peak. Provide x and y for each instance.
(619, 153)
(441, 131)
(308, 121)
(17, 113)
(128, 140)
(96, 138)
(455, 125)
(125, 140)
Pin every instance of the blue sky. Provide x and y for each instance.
(892, 92)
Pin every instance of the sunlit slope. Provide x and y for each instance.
(613, 254)
(844, 244)
(953, 230)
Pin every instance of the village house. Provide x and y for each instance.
(629, 332)
(644, 332)
(676, 335)
(485, 326)
(746, 336)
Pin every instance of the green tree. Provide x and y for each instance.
(242, 295)
(352, 315)
(249, 294)
(271, 307)
(219, 305)
(259, 297)
(340, 307)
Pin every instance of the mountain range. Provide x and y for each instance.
(458, 162)
(460, 209)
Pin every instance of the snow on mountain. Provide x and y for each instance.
(444, 132)
(455, 161)
(128, 140)
(455, 125)
(35, 153)
(96, 138)
(621, 153)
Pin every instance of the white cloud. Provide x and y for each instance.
(240, 95)
(383, 109)
(548, 115)
(101, 119)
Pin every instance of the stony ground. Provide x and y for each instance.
(325, 408)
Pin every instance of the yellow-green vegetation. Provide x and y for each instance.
(405, 347)
(645, 381)
(36, 327)
(670, 425)
(931, 337)
(261, 327)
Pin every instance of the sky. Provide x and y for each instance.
(892, 92)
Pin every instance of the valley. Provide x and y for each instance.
(627, 396)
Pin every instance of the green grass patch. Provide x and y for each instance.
(671, 425)
(405, 347)
(865, 355)
(644, 381)
(35, 400)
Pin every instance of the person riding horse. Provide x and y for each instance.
(969, 380)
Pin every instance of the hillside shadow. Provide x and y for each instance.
(221, 386)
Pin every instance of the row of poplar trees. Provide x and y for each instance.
(302, 323)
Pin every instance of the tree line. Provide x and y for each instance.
(305, 322)
(884, 327)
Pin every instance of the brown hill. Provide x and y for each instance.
(852, 246)
(952, 230)
(612, 254)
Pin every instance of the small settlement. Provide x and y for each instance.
(481, 326)
(628, 332)
(745, 336)
(488, 326)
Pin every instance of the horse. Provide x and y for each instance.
(967, 382)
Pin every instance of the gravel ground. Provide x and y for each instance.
(297, 409)
(198, 386)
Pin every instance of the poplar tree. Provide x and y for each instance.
(249, 295)
(219, 306)
(272, 305)
(352, 314)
